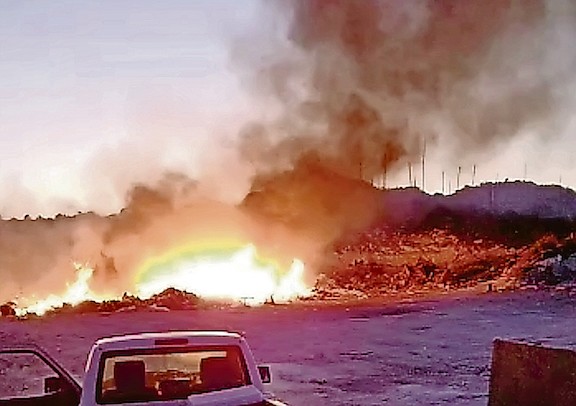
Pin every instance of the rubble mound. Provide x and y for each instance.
(167, 300)
(451, 251)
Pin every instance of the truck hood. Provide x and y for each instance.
(246, 395)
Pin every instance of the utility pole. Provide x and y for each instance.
(458, 178)
(423, 164)
(410, 173)
(443, 177)
(473, 174)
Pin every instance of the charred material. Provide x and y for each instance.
(169, 299)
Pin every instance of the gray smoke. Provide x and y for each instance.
(364, 84)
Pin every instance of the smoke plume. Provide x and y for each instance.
(358, 89)
(365, 85)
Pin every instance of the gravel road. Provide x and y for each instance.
(426, 352)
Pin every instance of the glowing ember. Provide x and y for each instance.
(237, 275)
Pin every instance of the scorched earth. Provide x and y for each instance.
(424, 352)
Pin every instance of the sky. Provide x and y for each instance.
(98, 95)
(80, 80)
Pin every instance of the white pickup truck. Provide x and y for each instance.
(188, 368)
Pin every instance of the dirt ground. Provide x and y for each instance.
(427, 352)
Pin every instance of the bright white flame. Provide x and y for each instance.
(239, 277)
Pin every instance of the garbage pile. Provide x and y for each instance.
(383, 262)
(169, 299)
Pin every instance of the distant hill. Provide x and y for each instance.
(519, 198)
(523, 198)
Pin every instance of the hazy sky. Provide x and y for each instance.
(95, 95)
(82, 79)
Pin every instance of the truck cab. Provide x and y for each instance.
(180, 368)
(201, 368)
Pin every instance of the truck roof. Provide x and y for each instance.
(171, 338)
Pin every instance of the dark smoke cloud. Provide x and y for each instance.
(362, 87)
(363, 84)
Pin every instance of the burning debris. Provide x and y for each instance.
(409, 74)
(438, 251)
(232, 274)
(164, 238)
(382, 262)
(169, 299)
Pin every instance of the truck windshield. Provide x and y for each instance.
(169, 373)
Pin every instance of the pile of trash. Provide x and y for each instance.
(384, 262)
(169, 299)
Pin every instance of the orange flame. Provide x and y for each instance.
(234, 275)
(75, 293)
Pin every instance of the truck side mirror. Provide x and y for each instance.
(264, 372)
(53, 384)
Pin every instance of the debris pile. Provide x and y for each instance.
(167, 300)
(383, 262)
